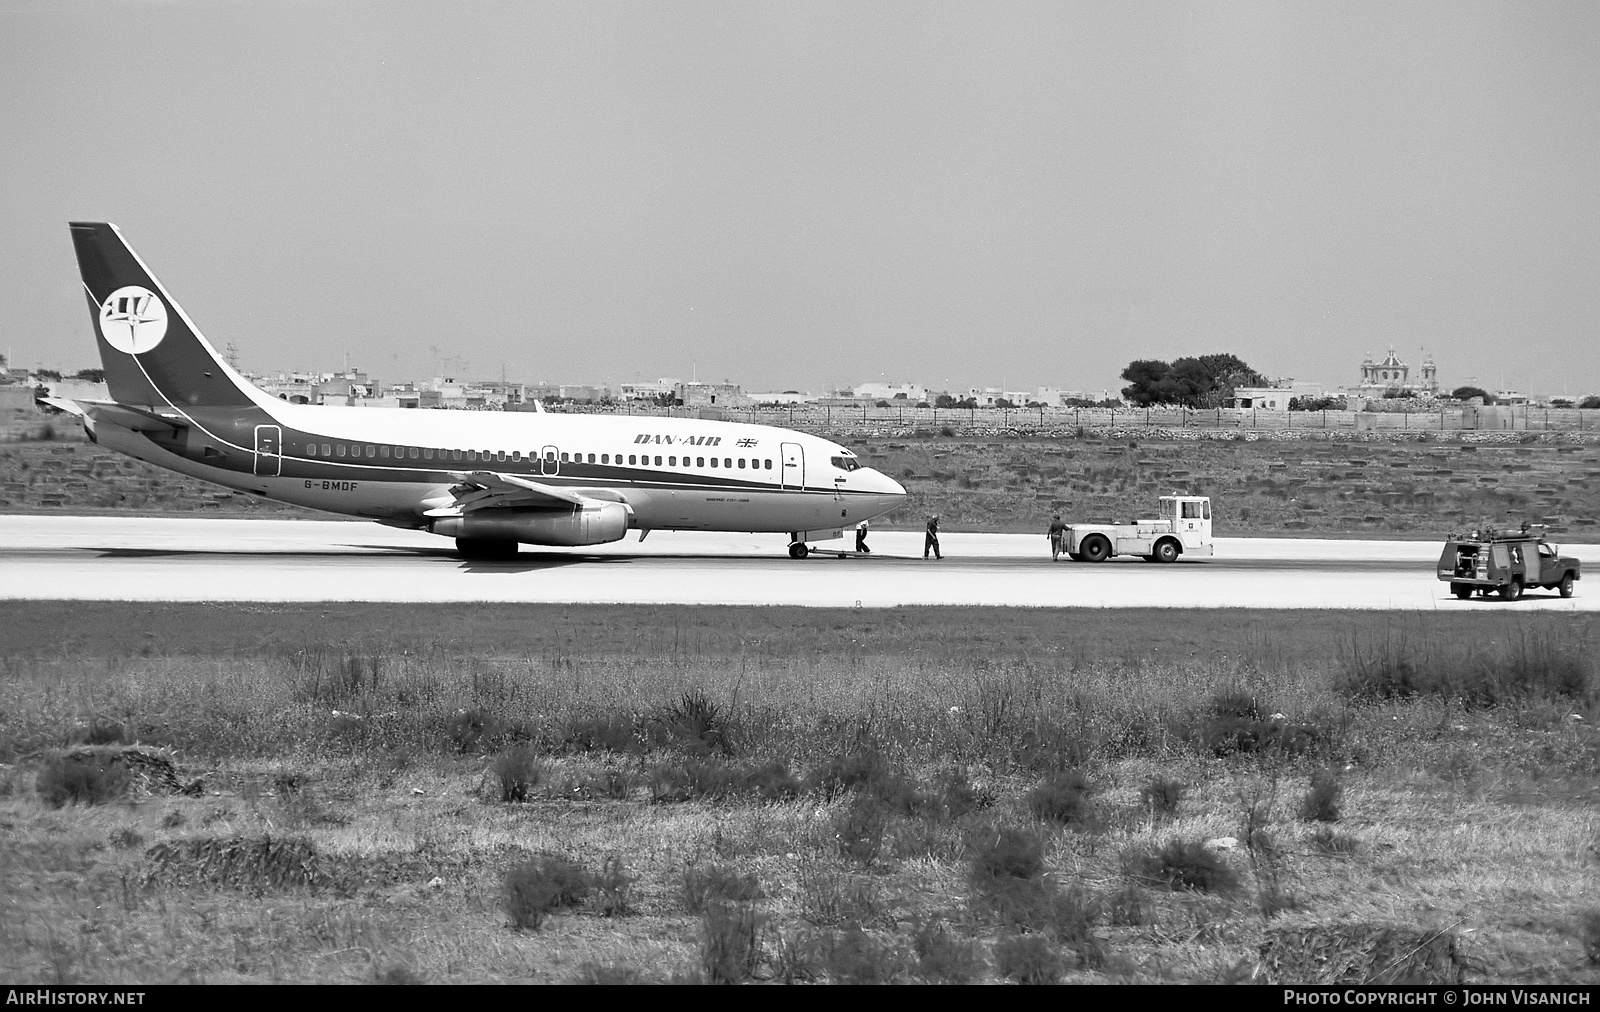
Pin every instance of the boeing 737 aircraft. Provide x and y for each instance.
(490, 480)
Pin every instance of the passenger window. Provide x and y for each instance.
(713, 462)
(699, 462)
(399, 453)
(516, 455)
(327, 451)
(341, 449)
(455, 454)
(741, 463)
(672, 461)
(591, 458)
(605, 458)
(632, 459)
(413, 453)
(768, 464)
(311, 449)
(727, 461)
(427, 453)
(501, 455)
(658, 461)
(383, 451)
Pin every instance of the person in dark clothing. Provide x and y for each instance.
(861, 538)
(932, 540)
(1058, 538)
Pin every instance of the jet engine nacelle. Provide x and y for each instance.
(595, 524)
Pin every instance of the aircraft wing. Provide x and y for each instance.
(136, 419)
(476, 490)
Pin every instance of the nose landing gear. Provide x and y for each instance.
(798, 550)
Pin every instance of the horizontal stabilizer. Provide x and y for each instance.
(116, 414)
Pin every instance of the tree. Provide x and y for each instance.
(90, 375)
(944, 401)
(1001, 402)
(1467, 393)
(1203, 382)
(1590, 402)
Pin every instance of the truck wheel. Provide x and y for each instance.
(1096, 548)
(1075, 556)
(1566, 585)
(1511, 591)
(1461, 590)
(1166, 551)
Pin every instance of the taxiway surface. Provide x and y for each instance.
(191, 559)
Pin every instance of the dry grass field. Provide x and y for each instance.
(470, 793)
(1411, 485)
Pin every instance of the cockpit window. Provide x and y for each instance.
(846, 463)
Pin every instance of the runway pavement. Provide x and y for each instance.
(192, 559)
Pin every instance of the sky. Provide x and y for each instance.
(809, 195)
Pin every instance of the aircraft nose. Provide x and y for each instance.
(882, 484)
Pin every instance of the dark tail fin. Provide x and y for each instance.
(153, 355)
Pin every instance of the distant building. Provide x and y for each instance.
(1392, 377)
(646, 390)
(1275, 397)
(710, 395)
(909, 392)
(784, 397)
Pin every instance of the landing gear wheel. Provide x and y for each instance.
(486, 548)
(1166, 551)
(1095, 548)
(1461, 590)
(1511, 591)
(798, 550)
(1566, 585)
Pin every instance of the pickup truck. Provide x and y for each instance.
(1505, 563)
(1183, 528)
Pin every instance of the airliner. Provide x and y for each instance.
(490, 480)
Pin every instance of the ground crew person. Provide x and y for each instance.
(1058, 537)
(932, 540)
(861, 538)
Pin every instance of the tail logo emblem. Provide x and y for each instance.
(133, 319)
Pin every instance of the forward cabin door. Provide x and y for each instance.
(794, 466)
(269, 450)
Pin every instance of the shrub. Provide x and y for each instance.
(771, 781)
(1324, 797)
(699, 725)
(855, 957)
(956, 796)
(1006, 853)
(1061, 798)
(829, 895)
(613, 884)
(612, 732)
(1589, 931)
(470, 729)
(1162, 797)
(81, 779)
(103, 730)
(945, 957)
(613, 784)
(518, 772)
(126, 837)
(608, 974)
(730, 943)
(1330, 841)
(542, 885)
(848, 772)
(716, 883)
(1028, 959)
(1543, 660)
(1189, 866)
(859, 827)
(1127, 906)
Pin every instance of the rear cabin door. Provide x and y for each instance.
(269, 450)
(794, 466)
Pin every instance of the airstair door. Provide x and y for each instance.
(269, 450)
(794, 466)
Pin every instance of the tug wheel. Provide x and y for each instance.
(1095, 548)
(1166, 551)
